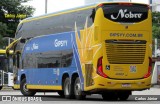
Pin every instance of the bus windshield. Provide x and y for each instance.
(125, 12)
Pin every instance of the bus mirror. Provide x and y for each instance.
(23, 40)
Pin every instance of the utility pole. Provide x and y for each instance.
(46, 1)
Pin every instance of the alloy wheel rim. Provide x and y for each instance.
(77, 89)
(67, 89)
(25, 87)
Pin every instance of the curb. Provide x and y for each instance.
(7, 88)
(155, 86)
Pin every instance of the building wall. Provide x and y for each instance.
(93, 1)
(156, 5)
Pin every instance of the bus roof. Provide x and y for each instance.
(68, 11)
(59, 12)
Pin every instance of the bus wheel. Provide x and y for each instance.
(61, 93)
(110, 96)
(1, 87)
(68, 91)
(123, 96)
(24, 90)
(79, 94)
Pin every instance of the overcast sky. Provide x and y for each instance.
(57, 5)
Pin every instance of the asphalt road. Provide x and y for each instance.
(137, 97)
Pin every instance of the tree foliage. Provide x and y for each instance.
(3, 29)
(156, 24)
(10, 12)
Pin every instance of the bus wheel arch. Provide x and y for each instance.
(23, 76)
(79, 94)
(73, 78)
(65, 75)
(61, 92)
(23, 89)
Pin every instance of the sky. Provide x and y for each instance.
(53, 5)
(57, 5)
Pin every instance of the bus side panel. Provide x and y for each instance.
(53, 43)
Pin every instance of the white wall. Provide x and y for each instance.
(156, 5)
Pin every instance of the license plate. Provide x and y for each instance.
(126, 85)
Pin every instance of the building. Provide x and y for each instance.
(155, 5)
(93, 1)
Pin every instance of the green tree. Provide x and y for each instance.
(3, 30)
(11, 12)
(156, 31)
(156, 24)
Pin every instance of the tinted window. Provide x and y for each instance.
(49, 59)
(57, 24)
(29, 61)
(55, 59)
(125, 13)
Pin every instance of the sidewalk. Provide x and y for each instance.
(154, 90)
(156, 86)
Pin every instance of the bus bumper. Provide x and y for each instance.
(101, 83)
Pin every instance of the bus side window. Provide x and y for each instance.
(14, 60)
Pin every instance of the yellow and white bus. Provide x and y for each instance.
(101, 48)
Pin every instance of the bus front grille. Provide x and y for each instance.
(125, 52)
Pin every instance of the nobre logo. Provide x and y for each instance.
(125, 14)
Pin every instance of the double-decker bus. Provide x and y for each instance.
(101, 48)
(6, 71)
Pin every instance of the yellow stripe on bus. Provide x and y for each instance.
(44, 87)
(16, 86)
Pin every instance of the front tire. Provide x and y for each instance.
(110, 96)
(61, 93)
(79, 94)
(24, 90)
(1, 87)
(68, 91)
(123, 96)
